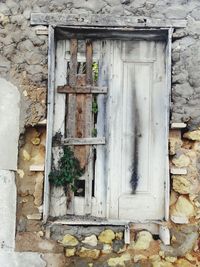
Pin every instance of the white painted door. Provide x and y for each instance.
(137, 135)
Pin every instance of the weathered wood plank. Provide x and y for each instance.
(73, 61)
(58, 198)
(71, 106)
(89, 52)
(59, 19)
(167, 101)
(50, 111)
(100, 166)
(88, 127)
(82, 89)
(85, 141)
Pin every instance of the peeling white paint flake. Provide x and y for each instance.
(9, 125)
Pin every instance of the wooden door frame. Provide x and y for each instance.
(114, 32)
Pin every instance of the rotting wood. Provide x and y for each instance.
(89, 126)
(66, 89)
(84, 141)
(73, 61)
(89, 53)
(59, 19)
(71, 107)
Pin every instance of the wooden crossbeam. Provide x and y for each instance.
(67, 89)
(84, 141)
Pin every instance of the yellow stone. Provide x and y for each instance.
(162, 264)
(90, 264)
(162, 254)
(90, 240)
(143, 241)
(70, 252)
(173, 197)
(193, 135)
(4, 19)
(26, 155)
(184, 263)
(69, 240)
(174, 145)
(181, 161)
(181, 184)
(35, 141)
(139, 257)
(119, 261)
(155, 258)
(183, 207)
(107, 249)
(106, 236)
(119, 235)
(88, 253)
(21, 173)
(171, 259)
(189, 257)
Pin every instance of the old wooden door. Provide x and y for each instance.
(130, 167)
(137, 123)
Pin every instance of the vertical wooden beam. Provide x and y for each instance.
(71, 116)
(50, 112)
(73, 61)
(100, 166)
(89, 61)
(168, 101)
(89, 125)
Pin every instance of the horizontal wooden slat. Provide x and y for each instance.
(85, 141)
(82, 89)
(59, 19)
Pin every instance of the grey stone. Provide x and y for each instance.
(4, 63)
(187, 244)
(13, 6)
(4, 9)
(26, 45)
(125, 2)
(176, 12)
(117, 245)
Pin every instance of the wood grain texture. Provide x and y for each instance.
(66, 89)
(50, 111)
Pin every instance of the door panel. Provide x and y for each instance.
(137, 130)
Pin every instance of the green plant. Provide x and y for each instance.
(94, 132)
(68, 170)
(94, 106)
(95, 69)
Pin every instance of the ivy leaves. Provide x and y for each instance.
(68, 170)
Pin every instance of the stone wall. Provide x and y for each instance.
(23, 62)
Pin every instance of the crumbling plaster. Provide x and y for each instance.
(23, 62)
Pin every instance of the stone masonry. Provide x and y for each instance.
(23, 63)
